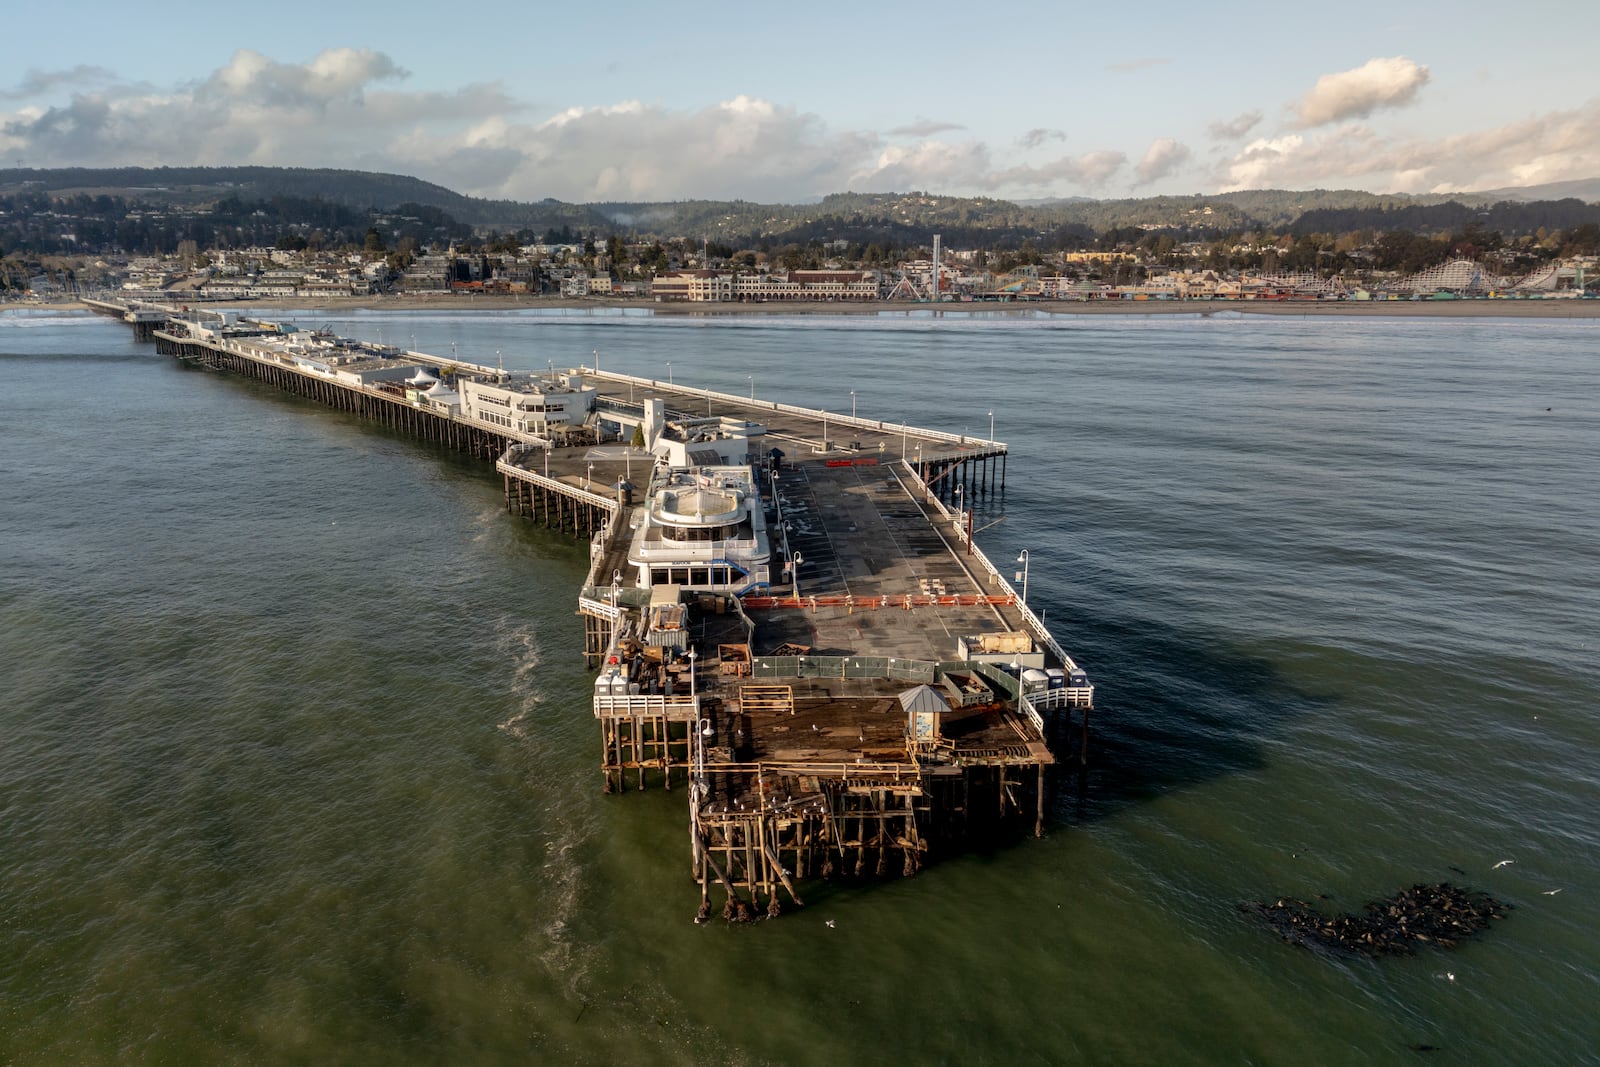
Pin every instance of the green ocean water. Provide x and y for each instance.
(296, 762)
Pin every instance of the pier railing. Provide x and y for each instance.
(675, 708)
(1033, 621)
(827, 418)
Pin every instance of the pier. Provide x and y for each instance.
(786, 609)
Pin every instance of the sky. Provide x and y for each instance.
(783, 103)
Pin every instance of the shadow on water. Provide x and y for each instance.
(1182, 708)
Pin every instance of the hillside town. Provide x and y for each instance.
(648, 273)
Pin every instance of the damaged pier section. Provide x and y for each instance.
(815, 647)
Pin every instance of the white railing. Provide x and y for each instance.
(599, 608)
(627, 705)
(830, 418)
(1033, 621)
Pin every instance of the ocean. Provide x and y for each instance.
(297, 763)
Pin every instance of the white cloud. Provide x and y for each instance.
(1555, 146)
(347, 107)
(1039, 135)
(38, 82)
(923, 128)
(1353, 94)
(934, 165)
(1236, 127)
(1088, 171)
(1164, 156)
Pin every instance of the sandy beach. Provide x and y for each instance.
(1449, 309)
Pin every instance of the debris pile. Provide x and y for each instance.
(1438, 914)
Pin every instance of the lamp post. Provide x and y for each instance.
(588, 479)
(700, 751)
(693, 693)
(794, 566)
(751, 378)
(1022, 575)
(991, 426)
(852, 403)
(669, 374)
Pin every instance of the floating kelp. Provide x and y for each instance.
(1439, 914)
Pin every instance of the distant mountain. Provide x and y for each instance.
(1585, 189)
(898, 220)
(363, 190)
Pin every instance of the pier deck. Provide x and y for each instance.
(872, 704)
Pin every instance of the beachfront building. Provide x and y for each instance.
(551, 406)
(693, 286)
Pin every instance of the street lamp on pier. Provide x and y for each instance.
(751, 378)
(1022, 575)
(693, 692)
(852, 403)
(669, 374)
(991, 426)
(794, 572)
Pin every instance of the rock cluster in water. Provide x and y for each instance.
(1438, 914)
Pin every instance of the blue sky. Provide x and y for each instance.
(783, 102)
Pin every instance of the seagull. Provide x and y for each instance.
(1551, 892)
(1450, 976)
(830, 923)
(1503, 863)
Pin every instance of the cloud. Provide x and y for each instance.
(1236, 127)
(1555, 146)
(1039, 135)
(1089, 171)
(38, 82)
(349, 107)
(923, 128)
(1139, 64)
(1354, 94)
(1162, 158)
(925, 165)
(739, 148)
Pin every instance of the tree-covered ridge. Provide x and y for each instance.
(138, 210)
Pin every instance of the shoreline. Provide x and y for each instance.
(1449, 309)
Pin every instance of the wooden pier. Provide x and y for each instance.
(859, 718)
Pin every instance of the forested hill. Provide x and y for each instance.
(362, 190)
(229, 200)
